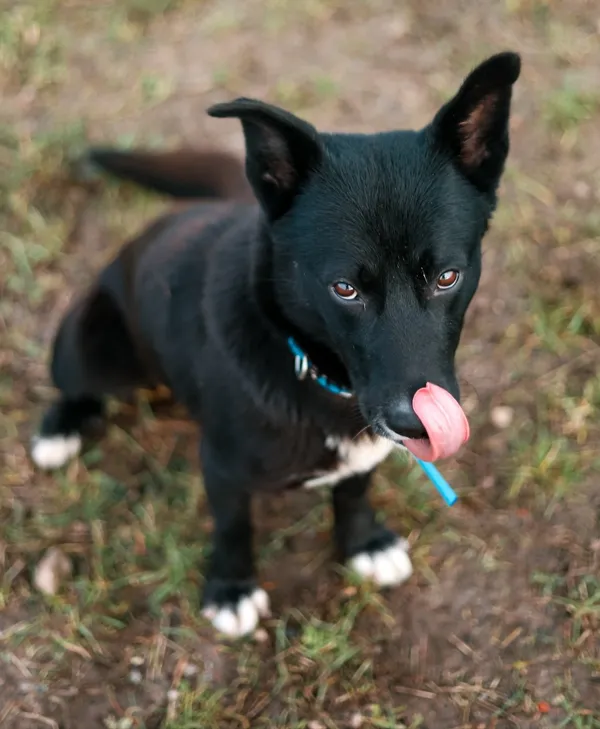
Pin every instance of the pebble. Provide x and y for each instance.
(502, 416)
(52, 570)
(582, 190)
(356, 720)
(136, 677)
(261, 635)
(190, 669)
(488, 482)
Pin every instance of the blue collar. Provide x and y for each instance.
(303, 366)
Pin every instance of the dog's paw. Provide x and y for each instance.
(236, 611)
(50, 452)
(385, 566)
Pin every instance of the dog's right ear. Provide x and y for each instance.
(281, 151)
(473, 125)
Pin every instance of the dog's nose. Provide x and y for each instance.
(402, 419)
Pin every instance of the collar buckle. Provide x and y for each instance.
(301, 366)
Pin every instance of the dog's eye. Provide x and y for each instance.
(447, 280)
(345, 291)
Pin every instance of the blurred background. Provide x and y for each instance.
(500, 625)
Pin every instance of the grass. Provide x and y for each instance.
(197, 709)
(576, 716)
(130, 514)
(30, 56)
(569, 107)
(34, 229)
(326, 651)
(300, 96)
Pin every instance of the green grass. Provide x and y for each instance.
(305, 94)
(130, 514)
(568, 107)
(32, 213)
(561, 325)
(576, 716)
(328, 655)
(154, 88)
(148, 9)
(29, 55)
(198, 709)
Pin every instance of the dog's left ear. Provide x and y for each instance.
(281, 151)
(473, 126)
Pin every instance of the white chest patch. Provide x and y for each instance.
(355, 457)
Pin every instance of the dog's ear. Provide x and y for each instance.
(473, 126)
(281, 151)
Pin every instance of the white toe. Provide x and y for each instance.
(390, 566)
(54, 452)
(242, 618)
(248, 616)
(363, 565)
(226, 621)
(260, 600)
(385, 569)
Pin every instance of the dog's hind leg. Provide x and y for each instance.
(93, 356)
(60, 433)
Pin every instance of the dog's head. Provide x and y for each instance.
(374, 240)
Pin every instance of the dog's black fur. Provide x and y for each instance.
(205, 299)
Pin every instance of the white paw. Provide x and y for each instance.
(55, 451)
(390, 566)
(242, 618)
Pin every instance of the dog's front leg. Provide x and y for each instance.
(371, 549)
(232, 599)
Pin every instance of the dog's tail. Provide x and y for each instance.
(183, 174)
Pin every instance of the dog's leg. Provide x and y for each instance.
(59, 436)
(78, 405)
(371, 550)
(93, 356)
(232, 599)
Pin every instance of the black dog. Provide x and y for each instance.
(298, 330)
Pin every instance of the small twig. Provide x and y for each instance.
(40, 718)
(511, 638)
(419, 693)
(465, 649)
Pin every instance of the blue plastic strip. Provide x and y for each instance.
(436, 478)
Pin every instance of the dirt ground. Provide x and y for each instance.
(500, 625)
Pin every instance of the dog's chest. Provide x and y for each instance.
(354, 456)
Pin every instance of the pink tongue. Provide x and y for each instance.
(444, 420)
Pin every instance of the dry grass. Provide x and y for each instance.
(501, 625)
